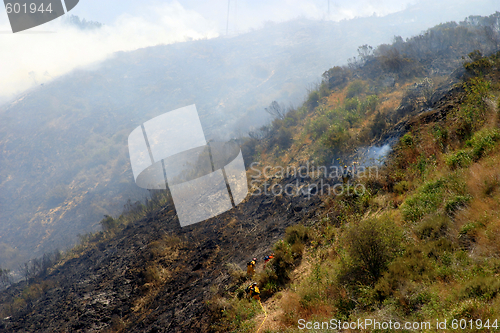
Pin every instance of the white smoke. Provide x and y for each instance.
(31, 58)
(374, 155)
(36, 56)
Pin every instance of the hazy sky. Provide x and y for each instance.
(244, 14)
(33, 57)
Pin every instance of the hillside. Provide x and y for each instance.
(421, 242)
(64, 161)
(415, 240)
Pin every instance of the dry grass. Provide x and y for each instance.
(155, 277)
(335, 99)
(483, 182)
(390, 101)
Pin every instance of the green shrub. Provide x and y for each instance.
(453, 204)
(318, 126)
(345, 305)
(483, 142)
(441, 136)
(371, 245)
(297, 250)
(324, 90)
(401, 187)
(335, 138)
(460, 159)
(286, 256)
(284, 138)
(477, 91)
(436, 248)
(421, 164)
(433, 227)
(352, 118)
(407, 140)
(472, 113)
(290, 120)
(296, 234)
(354, 89)
(425, 201)
(108, 223)
(336, 77)
(481, 287)
(249, 150)
(351, 104)
(478, 63)
(233, 315)
(468, 233)
(370, 104)
(463, 123)
(312, 100)
(269, 282)
(413, 266)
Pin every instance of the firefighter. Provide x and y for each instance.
(254, 292)
(267, 258)
(347, 174)
(251, 267)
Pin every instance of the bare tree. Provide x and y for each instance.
(261, 133)
(36, 266)
(26, 271)
(365, 53)
(5, 279)
(276, 110)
